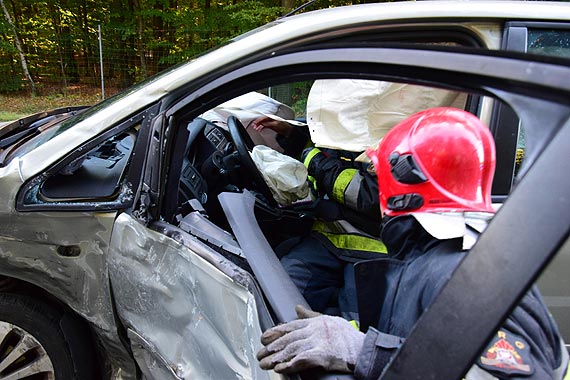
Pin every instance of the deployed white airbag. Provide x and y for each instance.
(285, 176)
(354, 114)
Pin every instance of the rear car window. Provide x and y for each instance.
(554, 42)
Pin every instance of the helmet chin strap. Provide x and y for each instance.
(405, 202)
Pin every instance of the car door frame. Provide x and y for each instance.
(554, 279)
(432, 65)
(515, 37)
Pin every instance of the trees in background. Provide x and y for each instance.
(19, 49)
(57, 40)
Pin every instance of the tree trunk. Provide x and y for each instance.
(287, 4)
(19, 47)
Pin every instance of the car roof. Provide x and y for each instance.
(410, 10)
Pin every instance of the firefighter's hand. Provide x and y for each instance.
(281, 127)
(323, 341)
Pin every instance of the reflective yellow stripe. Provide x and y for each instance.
(350, 241)
(354, 324)
(359, 243)
(310, 156)
(341, 183)
(313, 181)
(567, 376)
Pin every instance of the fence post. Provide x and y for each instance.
(101, 64)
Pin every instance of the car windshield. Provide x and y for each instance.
(47, 134)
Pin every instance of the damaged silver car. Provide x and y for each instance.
(137, 237)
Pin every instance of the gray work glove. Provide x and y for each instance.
(313, 340)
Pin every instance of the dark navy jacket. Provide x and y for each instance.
(527, 346)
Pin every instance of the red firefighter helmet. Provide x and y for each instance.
(438, 160)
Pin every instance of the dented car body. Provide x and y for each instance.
(145, 233)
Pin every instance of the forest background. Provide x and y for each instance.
(69, 52)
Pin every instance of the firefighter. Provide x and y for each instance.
(345, 117)
(435, 171)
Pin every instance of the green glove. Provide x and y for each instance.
(311, 341)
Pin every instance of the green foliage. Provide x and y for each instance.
(139, 37)
(9, 69)
(249, 14)
(9, 116)
(300, 93)
(11, 82)
(7, 48)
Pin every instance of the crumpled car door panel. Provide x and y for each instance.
(187, 318)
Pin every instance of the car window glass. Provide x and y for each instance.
(292, 94)
(295, 95)
(549, 42)
(553, 42)
(94, 176)
(521, 143)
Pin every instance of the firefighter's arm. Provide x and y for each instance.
(342, 182)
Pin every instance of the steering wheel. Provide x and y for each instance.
(244, 144)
